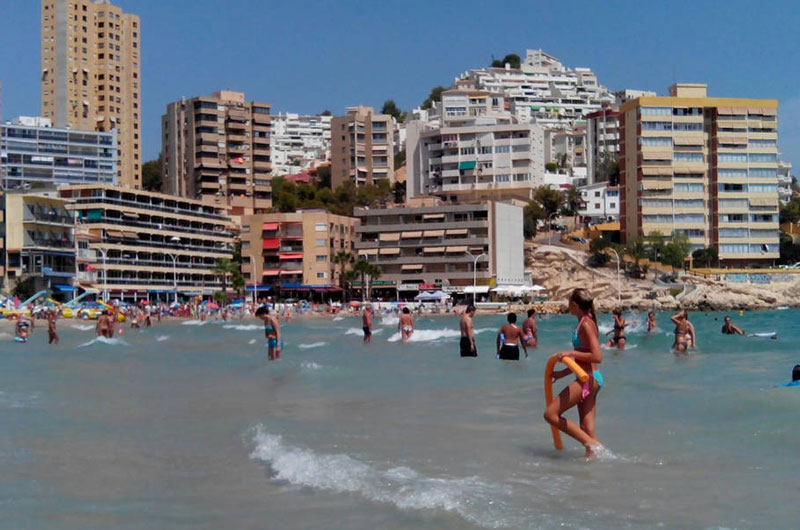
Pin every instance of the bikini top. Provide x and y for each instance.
(576, 340)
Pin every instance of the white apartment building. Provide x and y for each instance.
(299, 142)
(479, 152)
(784, 181)
(566, 145)
(600, 202)
(542, 90)
(602, 141)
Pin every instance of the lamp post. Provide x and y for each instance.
(475, 272)
(177, 240)
(550, 227)
(255, 280)
(619, 295)
(105, 274)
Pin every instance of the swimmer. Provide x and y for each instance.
(22, 329)
(51, 327)
(103, 325)
(367, 321)
(730, 329)
(508, 340)
(530, 333)
(619, 331)
(467, 344)
(406, 324)
(795, 376)
(651, 321)
(684, 332)
(588, 354)
(272, 330)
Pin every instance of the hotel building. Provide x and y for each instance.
(362, 147)
(33, 152)
(217, 149)
(148, 244)
(299, 142)
(294, 251)
(479, 152)
(435, 247)
(90, 75)
(602, 142)
(39, 242)
(706, 167)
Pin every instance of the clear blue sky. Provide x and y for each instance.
(314, 55)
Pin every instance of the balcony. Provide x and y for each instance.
(147, 206)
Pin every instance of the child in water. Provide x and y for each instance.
(587, 354)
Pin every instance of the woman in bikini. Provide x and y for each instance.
(684, 332)
(619, 331)
(587, 353)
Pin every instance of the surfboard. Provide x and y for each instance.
(769, 335)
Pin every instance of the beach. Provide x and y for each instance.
(187, 425)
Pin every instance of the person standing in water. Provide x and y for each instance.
(51, 327)
(730, 329)
(619, 331)
(467, 344)
(406, 324)
(103, 324)
(684, 332)
(588, 355)
(651, 321)
(509, 339)
(530, 333)
(272, 330)
(367, 321)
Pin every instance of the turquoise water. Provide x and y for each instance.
(187, 426)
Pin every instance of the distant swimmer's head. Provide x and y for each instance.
(796, 373)
(582, 299)
(617, 312)
(470, 309)
(651, 314)
(512, 318)
(727, 320)
(262, 311)
(406, 311)
(531, 312)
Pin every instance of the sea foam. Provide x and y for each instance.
(243, 327)
(104, 340)
(471, 498)
(431, 335)
(194, 322)
(82, 327)
(312, 345)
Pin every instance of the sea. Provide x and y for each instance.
(187, 425)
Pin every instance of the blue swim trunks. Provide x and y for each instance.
(272, 343)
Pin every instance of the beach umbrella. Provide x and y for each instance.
(441, 294)
(212, 305)
(143, 302)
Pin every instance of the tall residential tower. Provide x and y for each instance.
(90, 75)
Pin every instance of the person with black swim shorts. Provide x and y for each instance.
(509, 339)
(467, 344)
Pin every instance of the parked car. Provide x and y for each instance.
(792, 266)
(578, 239)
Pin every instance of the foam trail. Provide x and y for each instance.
(162, 338)
(243, 327)
(251, 341)
(194, 323)
(390, 320)
(310, 365)
(19, 400)
(82, 327)
(337, 318)
(4, 334)
(312, 345)
(104, 340)
(359, 331)
(430, 335)
(472, 499)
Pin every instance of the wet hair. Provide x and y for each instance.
(650, 313)
(531, 312)
(262, 311)
(796, 373)
(584, 299)
(512, 318)
(406, 311)
(617, 312)
(727, 317)
(470, 308)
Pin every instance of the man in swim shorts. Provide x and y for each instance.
(272, 330)
(529, 330)
(103, 325)
(51, 327)
(509, 338)
(467, 345)
(367, 320)
(406, 324)
(730, 329)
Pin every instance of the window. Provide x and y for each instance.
(689, 203)
(321, 242)
(657, 125)
(682, 187)
(687, 111)
(762, 143)
(657, 203)
(733, 232)
(763, 188)
(320, 227)
(732, 218)
(725, 172)
(687, 157)
(732, 157)
(763, 218)
(612, 205)
(761, 172)
(502, 149)
(763, 157)
(656, 111)
(322, 258)
(322, 275)
(725, 187)
(688, 127)
(733, 203)
(467, 151)
(657, 141)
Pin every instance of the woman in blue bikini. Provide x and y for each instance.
(588, 354)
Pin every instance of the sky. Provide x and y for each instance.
(312, 55)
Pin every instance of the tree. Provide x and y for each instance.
(326, 112)
(399, 192)
(373, 274)
(549, 199)
(573, 201)
(343, 259)
(531, 215)
(655, 244)
(676, 250)
(324, 176)
(391, 108)
(349, 277)
(383, 192)
(790, 212)
(362, 267)
(434, 96)
(24, 289)
(223, 269)
(551, 167)
(152, 179)
(608, 170)
(637, 250)
(512, 59)
(400, 159)
(705, 257)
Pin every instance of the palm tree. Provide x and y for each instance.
(223, 268)
(349, 277)
(374, 273)
(362, 267)
(342, 258)
(636, 250)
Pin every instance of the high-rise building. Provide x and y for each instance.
(479, 152)
(602, 143)
(217, 149)
(299, 142)
(704, 167)
(90, 75)
(362, 147)
(32, 152)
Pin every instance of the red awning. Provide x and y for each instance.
(271, 243)
(293, 255)
(271, 272)
(269, 226)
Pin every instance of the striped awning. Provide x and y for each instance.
(411, 267)
(433, 233)
(114, 233)
(456, 250)
(392, 236)
(269, 226)
(389, 251)
(688, 140)
(411, 235)
(291, 271)
(432, 250)
(458, 232)
(428, 216)
(271, 272)
(291, 255)
(368, 252)
(656, 185)
(652, 171)
(757, 201)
